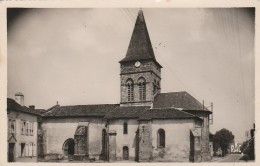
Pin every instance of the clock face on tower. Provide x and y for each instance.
(137, 64)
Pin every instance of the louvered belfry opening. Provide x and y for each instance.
(130, 90)
(142, 89)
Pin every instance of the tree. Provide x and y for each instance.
(222, 139)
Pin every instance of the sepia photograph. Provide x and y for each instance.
(130, 85)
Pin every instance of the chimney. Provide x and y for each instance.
(32, 107)
(19, 98)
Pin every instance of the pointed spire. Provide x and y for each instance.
(140, 46)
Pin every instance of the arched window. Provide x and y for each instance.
(125, 128)
(161, 138)
(125, 153)
(142, 89)
(130, 90)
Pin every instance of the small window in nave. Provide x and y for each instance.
(161, 138)
(125, 128)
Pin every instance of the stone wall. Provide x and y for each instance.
(134, 77)
(146, 65)
(145, 141)
(81, 142)
(148, 71)
(177, 139)
(57, 131)
(112, 148)
(122, 139)
(205, 137)
(195, 135)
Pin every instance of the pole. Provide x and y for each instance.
(212, 112)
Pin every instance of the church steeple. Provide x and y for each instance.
(140, 72)
(140, 47)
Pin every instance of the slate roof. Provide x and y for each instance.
(12, 105)
(181, 100)
(126, 112)
(42, 111)
(166, 113)
(173, 105)
(80, 110)
(140, 47)
(166, 106)
(115, 111)
(145, 113)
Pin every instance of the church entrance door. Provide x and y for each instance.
(125, 153)
(68, 147)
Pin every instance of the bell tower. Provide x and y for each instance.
(140, 73)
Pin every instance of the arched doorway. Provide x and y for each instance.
(68, 147)
(125, 153)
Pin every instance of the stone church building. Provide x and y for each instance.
(147, 125)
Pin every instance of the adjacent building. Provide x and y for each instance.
(22, 130)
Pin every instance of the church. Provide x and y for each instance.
(147, 125)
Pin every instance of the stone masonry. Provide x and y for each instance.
(145, 141)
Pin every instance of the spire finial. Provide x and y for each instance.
(140, 11)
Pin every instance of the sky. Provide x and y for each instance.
(71, 56)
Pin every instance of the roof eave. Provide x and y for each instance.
(203, 111)
(172, 118)
(73, 116)
(18, 110)
(115, 118)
